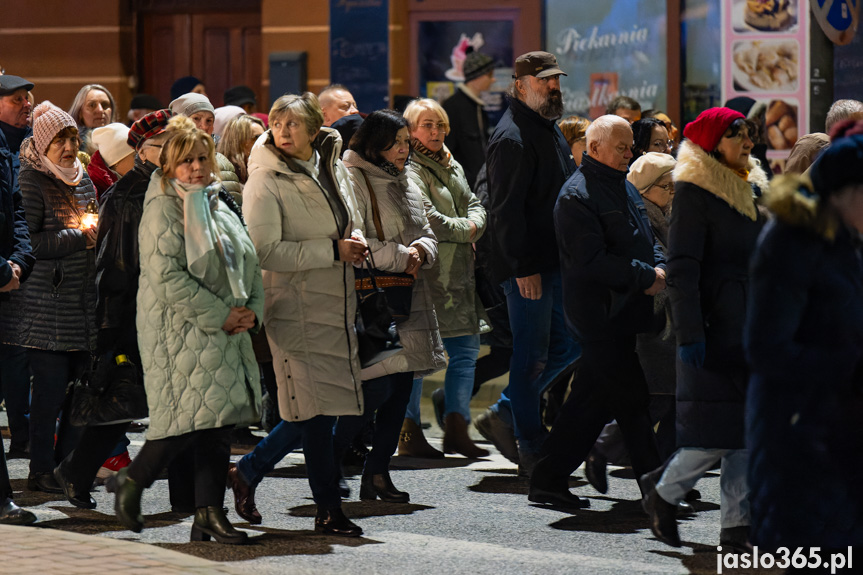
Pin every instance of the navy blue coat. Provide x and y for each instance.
(607, 254)
(804, 342)
(14, 236)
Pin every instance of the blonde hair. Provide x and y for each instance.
(77, 107)
(574, 128)
(183, 136)
(305, 108)
(232, 144)
(415, 108)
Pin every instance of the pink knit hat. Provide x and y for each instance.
(48, 121)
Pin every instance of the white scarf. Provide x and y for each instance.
(71, 176)
(207, 228)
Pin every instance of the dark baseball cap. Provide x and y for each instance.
(239, 95)
(539, 64)
(9, 84)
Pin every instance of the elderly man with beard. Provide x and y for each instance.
(528, 162)
(612, 266)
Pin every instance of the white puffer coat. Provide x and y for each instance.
(310, 310)
(196, 375)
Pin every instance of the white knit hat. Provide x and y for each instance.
(190, 103)
(48, 121)
(111, 142)
(223, 116)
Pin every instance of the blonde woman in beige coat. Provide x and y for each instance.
(376, 162)
(307, 230)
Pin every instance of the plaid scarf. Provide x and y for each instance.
(441, 157)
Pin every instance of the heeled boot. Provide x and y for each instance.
(412, 442)
(380, 485)
(127, 501)
(334, 522)
(457, 440)
(211, 522)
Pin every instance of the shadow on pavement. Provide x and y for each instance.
(92, 522)
(625, 516)
(511, 484)
(361, 509)
(415, 463)
(702, 561)
(27, 498)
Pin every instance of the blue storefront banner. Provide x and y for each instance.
(359, 50)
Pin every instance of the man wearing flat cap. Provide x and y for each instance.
(528, 162)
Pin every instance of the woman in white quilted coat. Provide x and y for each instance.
(376, 162)
(199, 295)
(303, 219)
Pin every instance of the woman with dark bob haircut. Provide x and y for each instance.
(404, 243)
(649, 135)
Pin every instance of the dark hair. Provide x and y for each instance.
(376, 134)
(642, 133)
(624, 102)
(733, 130)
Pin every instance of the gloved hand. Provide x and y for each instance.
(692, 353)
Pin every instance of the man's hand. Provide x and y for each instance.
(16, 269)
(530, 287)
(11, 285)
(352, 250)
(658, 283)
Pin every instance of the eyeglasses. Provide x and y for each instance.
(429, 126)
(669, 187)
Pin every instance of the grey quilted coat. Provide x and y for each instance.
(55, 309)
(196, 375)
(310, 310)
(405, 224)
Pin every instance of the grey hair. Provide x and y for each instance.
(842, 110)
(601, 129)
(78, 103)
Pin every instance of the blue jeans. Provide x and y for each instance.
(315, 435)
(458, 381)
(413, 409)
(542, 349)
(15, 381)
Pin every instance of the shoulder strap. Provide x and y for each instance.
(375, 212)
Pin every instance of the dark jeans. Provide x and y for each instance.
(609, 384)
(211, 450)
(15, 381)
(490, 366)
(52, 372)
(316, 437)
(97, 443)
(386, 399)
(5, 485)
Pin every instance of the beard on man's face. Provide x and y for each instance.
(549, 107)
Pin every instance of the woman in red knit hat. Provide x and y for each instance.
(714, 227)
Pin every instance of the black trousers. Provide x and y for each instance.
(5, 485)
(609, 384)
(211, 453)
(95, 446)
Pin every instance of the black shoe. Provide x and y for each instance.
(648, 483)
(563, 499)
(663, 517)
(211, 522)
(595, 471)
(380, 485)
(693, 495)
(11, 514)
(78, 497)
(735, 539)
(127, 501)
(43, 481)
(334, 522)
(493, 428)
(18, 452)
(438, 398)
(136, 427)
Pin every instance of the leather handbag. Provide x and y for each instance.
(376, 329)
(398, 286)
(111, 390)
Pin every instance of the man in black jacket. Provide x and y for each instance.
(528, 162)
(16, 261)
(612, 266)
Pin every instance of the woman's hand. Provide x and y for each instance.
(90, 235)
(416, 258)
(240, 319)
(352, 250)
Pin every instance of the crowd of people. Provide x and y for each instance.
(703, 311)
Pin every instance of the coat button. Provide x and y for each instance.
(292, 397)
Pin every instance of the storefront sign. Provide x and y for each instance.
(608, 48)
(359, 50)
(765, 57)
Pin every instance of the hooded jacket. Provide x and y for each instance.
(310, 309)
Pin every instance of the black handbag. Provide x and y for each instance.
(399, 287)
(111, 390)
(376, 329)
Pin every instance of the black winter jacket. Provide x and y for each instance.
(607, 254)
(528, 162)
(14, 236)
(55, 309)
(468, 137)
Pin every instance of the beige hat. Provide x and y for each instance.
(111, 141)
(647, 169)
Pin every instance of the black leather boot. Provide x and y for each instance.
(380, 485)
(11, 514)
(211, 522)
(334, 522)
(78, 497)
(127, 501)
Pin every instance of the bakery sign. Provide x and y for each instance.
(765, 57)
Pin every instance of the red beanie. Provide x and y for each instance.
(709, 126)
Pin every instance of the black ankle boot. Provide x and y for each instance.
(334, 522)
(78, 497)
(211, 522)
(380, 485)
(127, 501)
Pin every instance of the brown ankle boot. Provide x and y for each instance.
(457, 440)
(412, 442)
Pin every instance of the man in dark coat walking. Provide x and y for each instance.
(612, 266)
(528, 161)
